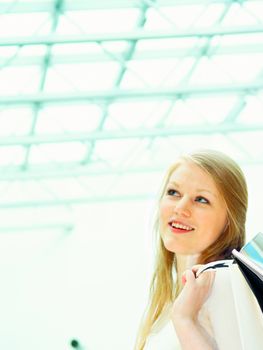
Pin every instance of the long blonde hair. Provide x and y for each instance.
(231, 183)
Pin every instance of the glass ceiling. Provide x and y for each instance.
(97, 97)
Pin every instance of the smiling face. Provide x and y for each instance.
(192, 213)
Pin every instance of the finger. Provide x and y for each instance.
(207, 277)
(210, 272)
(196, 267)
(212, 276)
(188, 276)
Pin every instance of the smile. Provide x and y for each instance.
(178, 227)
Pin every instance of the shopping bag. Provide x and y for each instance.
(250, 263)
(234, 312)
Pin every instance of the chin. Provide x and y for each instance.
(176, 248)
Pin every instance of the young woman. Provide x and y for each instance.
(201, 218)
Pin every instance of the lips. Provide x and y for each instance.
(180, 227)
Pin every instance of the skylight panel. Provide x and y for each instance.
(58, 152)
(241, 68)
(178, 75)
(84, 76)
(115, 151)
(15, 121)
(213, 109)
(68, 26)
(198, 141)
(66, 188)
(207, 72)
(255, 8)
(104, 20)
(28, 23)
(164, 151)
(210, 15)
(15, 80)
(11, 155)
(182, 115)
(35, 217)
(252, 111)
(180, 17)
(30, 190)
(7, 52)
(141, 182)
(68, 118)
(148, 72)
(238, 16)
(132, 115)
(250, 150)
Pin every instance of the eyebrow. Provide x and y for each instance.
(197, 190)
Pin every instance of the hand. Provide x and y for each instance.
(195, 292)
(186, 307)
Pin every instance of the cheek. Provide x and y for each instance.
(164, 210)
(217, 228)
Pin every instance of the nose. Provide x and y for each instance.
(182, 207)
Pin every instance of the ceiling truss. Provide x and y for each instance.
(182, 59)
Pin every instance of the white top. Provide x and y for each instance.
(163, 336)
(166, 339)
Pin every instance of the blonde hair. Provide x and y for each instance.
(231, 183)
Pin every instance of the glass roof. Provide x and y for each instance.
(95, 93)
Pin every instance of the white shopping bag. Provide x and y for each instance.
(234, 313)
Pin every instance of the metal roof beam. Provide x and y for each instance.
(74, 201)
(76, 170)
(71, 170)
(204, 129)
(114, 94)
(139, 34)
(238, 48)
(89, 199)
(67, 227)
(76, 5)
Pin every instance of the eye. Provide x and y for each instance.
(172, 192)
(202, 200)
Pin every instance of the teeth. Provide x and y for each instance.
(188, 228)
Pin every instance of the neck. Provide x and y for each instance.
(184, 262)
